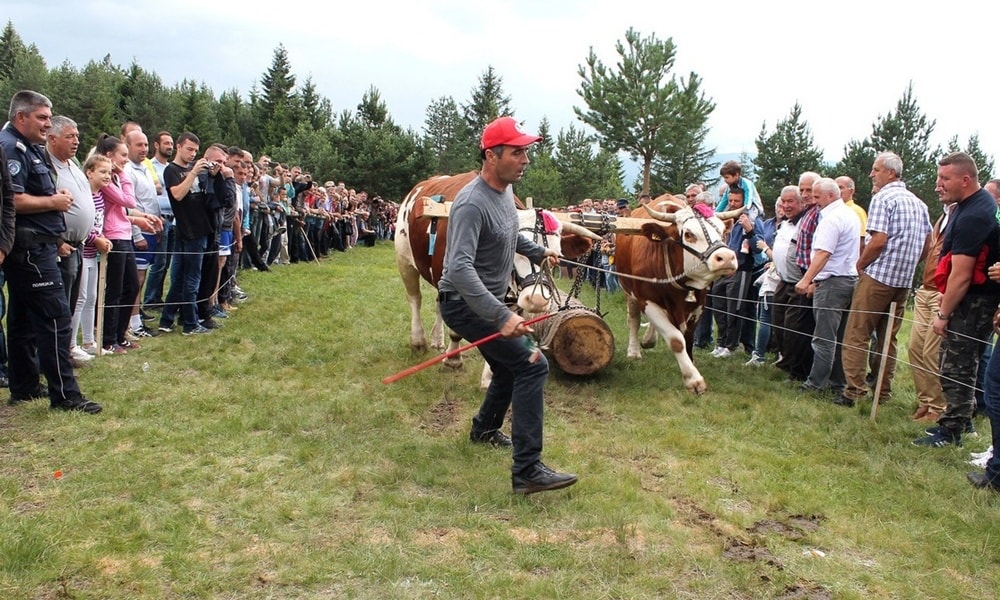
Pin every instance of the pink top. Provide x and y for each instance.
(118, 196)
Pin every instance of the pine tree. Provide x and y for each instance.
(784, 154)
(448, 138)
(642, 109)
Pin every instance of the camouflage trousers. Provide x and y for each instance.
(968, 330)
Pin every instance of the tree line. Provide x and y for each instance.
(639, 108)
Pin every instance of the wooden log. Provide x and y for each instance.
(577, 340)
(624, 225)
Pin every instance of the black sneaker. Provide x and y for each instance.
(144, 316)
(165, 328)
(210, 323)
(939, 440)
(37, 394)
(969, 430)
(539, 478)
(495, 438)
(78, 404)
(844, 401)
(145, 332)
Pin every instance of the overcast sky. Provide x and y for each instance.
(845, 62)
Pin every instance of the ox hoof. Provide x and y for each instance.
(420, 347)
(634, 355)
(453, 363)
(646, 345)
(696, 386)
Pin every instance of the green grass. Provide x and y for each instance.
(267, 460)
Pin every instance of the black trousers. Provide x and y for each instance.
(38, 331)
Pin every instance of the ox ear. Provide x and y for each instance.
(575, 246)
(658, 232)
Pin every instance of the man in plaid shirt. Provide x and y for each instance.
(898, 238)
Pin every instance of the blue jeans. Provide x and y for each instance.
(157, 272)
(763, 324)
(517, 383)
(185, 278)
(992, 397)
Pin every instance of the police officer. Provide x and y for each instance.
(38, 317)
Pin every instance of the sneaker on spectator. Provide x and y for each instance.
(198, 330)
(723, 353)
(90, 349)
(145, 316)
(756, 360)
(165, 328)
(130, 336)
(130, 345)
(145, 332)
(80, 355)
(969, 430)
(984, 454)
(114, 349)
(218, 313)
(939, 440)
(210, 323)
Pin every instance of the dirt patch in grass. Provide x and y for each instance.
(795, 527)
(443, 416)
(740, 551)
(805, 591)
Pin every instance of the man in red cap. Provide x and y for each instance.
(482, 240)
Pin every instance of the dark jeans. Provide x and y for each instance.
(38, 331)
(121, 289)
(797, 352)
(740, 312)
(185, 278)
(69, 266)
(157, 272)
(517, 383)
(993, 411)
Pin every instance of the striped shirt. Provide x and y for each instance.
(902, 217)
(804, 237)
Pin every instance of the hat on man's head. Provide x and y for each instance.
(505, 132)
(622, 203)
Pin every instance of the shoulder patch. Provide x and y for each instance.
(20, 146)
(14, 166)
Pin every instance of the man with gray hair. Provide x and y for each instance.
(898, 238)
(830, 281)
(62, 142)
(38, 317)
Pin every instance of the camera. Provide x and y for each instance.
(211, 165)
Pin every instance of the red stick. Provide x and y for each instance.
(455, 352)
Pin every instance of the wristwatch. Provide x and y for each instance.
(943, 316)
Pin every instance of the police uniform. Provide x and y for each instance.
(38, 316)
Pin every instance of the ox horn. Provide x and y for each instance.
(660, 216)
(731, 214)
(579, 230)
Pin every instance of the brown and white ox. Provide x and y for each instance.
(416, 259)
(666, 271)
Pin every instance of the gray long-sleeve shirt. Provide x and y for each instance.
(482, 240)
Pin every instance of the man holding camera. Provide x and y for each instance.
(195, 227)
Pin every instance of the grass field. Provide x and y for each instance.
(267, 460)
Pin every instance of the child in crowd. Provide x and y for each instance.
(98, 171)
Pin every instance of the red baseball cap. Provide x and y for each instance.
(506, 132)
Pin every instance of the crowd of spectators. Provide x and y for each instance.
(148, 211)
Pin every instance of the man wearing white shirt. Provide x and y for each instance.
(62, 142)
(163, 151)
(830, 280)
(146, 201)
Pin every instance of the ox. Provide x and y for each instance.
(666, 270)
(416, 258)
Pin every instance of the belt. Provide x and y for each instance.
(449, 296)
